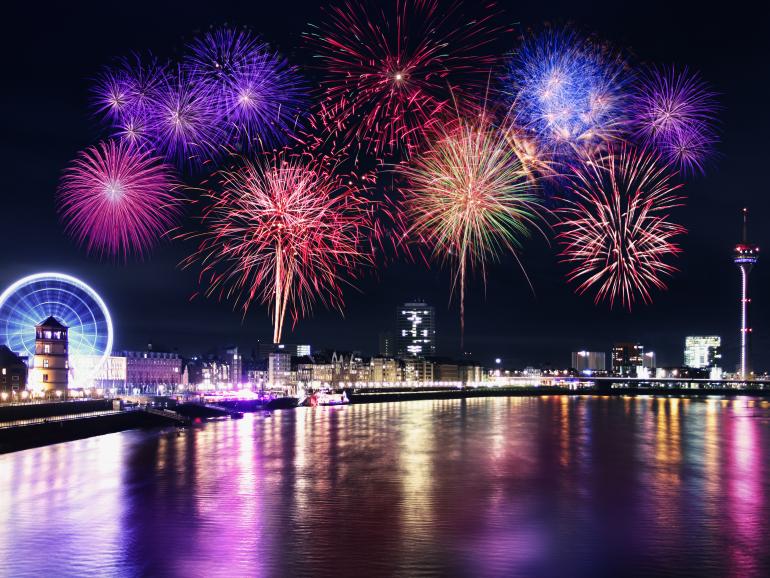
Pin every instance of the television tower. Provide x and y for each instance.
(745, 256)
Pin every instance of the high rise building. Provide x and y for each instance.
(702, 352)
(235, 361)
(745, 256)
(627, 358)
(416, 324)
(387, 346)
(265, 349)
(51, 362)
(589, 361)
(279, 369)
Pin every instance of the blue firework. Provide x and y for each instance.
(567, 90)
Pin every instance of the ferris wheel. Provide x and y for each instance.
(35, 298)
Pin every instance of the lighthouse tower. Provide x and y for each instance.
(51, 356)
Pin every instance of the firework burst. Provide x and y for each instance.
(392, 72)
(283, 230)
(568, 91)
(676, 113)
(126, 90)
(259, 93)
(615, 229)
(469, 198)
(184, 123)
(117, 200)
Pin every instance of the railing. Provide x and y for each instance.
(56, 418)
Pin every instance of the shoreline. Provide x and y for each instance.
(53, 431)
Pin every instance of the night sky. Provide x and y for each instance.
(53, 53)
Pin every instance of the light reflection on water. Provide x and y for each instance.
(554, 486)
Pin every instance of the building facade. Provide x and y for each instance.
(153, 371)
(589, 361)
(13, 372)
(416, 326)
(703, 352)
(627, 359)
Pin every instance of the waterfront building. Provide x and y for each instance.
(471, 373)
(745, 257)
(13, 372)
(589, 361)
(649, 361)
(153, 371)
(279, 370)
(627, 359)
(702, 352)
(446, 370)
(96, 372)
(234, 361)
(416, 325)
(385, 370)
(51, 361)
(418, 369)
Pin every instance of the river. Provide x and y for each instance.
(551, 486)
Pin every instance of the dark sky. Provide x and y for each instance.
(52, 53)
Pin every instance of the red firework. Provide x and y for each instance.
(394, 71)
(118, 200)
(284, 230)
(615, 228)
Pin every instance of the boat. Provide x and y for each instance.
(282, 403)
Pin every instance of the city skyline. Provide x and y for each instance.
(150, 299)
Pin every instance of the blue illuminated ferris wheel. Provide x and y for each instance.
(33, 299)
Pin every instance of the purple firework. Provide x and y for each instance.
(117, 200)
(258, 93)
(183, 121)
(676, 112)
(125, 91)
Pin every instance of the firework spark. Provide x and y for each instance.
(126, 89)
(391, 75)
(676, 113)
(568, 90)
(285, 231)
(259, 93)
(117, 200)
(615, 229)
(469, 198)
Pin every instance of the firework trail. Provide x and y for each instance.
(283, 230)
(117, 200)
(567, 90)
(392, 72)
(469, 199)
(615, 229)
(259, 94)
(675, 113)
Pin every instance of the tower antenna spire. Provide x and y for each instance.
(745, 225)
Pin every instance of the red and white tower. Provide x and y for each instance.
(746, 255)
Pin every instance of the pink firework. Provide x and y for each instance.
(394, 70)
(615, 228)
(284, 230)
(117, 200)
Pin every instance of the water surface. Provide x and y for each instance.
(554, 486)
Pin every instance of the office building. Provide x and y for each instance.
(416, 325)
(264, 350)
(627, 359)
(279, 369)
(385, 370)
(701, 352)
(589, 361)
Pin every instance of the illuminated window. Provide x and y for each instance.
(45, 363)
(47, 348)
(45, 377)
